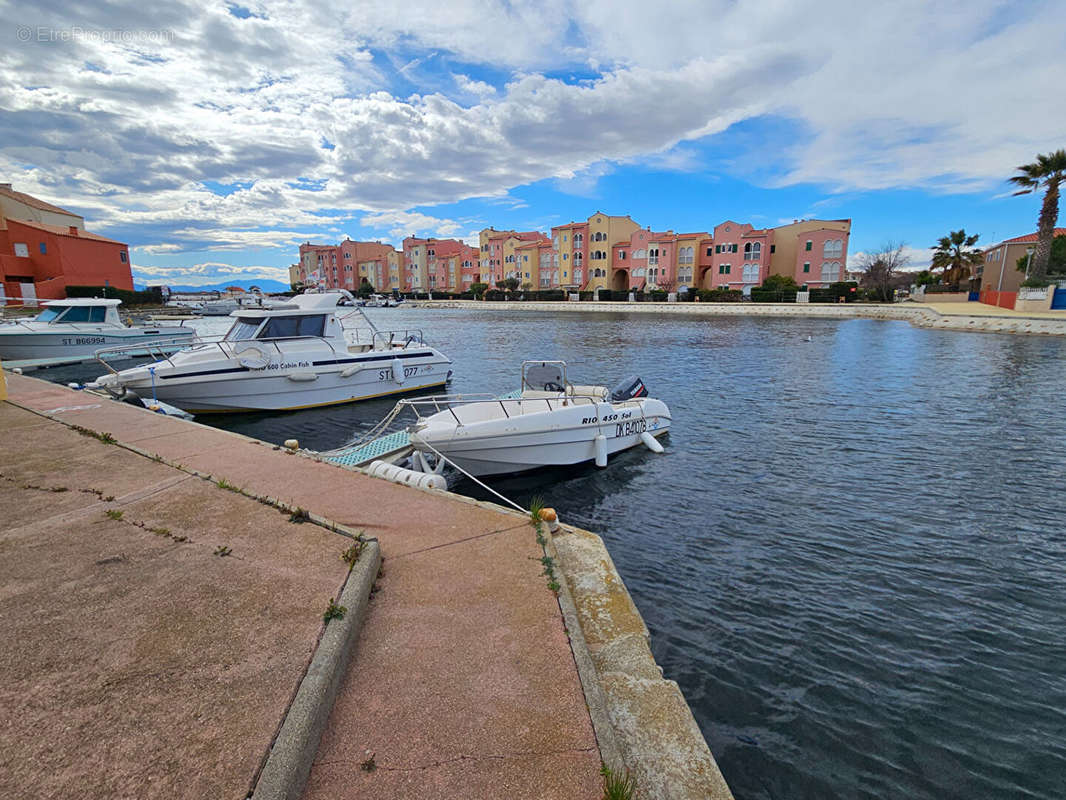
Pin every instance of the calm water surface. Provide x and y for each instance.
(850, 556)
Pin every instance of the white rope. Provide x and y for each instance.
(475, 480)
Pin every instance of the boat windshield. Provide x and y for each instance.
(292, 327)
(244, 328)
(74, 314)
(49, 314)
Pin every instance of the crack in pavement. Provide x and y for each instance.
(462, 758)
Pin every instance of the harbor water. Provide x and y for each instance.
(851, 556)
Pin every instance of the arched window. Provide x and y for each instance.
(640, 254)
(756, 251)
(833, 248)
(831, 272)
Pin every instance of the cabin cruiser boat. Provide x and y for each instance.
(74, 329)
(549, 422)
(285, 356)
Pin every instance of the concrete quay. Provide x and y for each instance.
(943, 316)
(155, 664)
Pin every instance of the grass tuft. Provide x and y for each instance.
(113, 513)
(222, 551)
(351, 555)
(299, 516)
(617, 787)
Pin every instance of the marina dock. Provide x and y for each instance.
(177, 664)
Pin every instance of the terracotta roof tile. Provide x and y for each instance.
(1031, 237)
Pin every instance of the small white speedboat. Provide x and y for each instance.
(550, 422)
(286, 356)
(74, 329)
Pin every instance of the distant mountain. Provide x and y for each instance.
(266, 285)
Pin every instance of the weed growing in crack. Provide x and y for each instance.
(113, 513)
(222, 551)
(368, 765)
(351, 555)
(299, 516)
(536, 507)
(229, 487)
(617, 787)
(333, 611)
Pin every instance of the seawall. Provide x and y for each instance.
(983, 320)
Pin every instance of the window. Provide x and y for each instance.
(831, 271)
(708, 250)
(653, 256)
(564, 237)
(525, 258)
(292, 327)
(724, 269)
(752, 251)
(806, 266)
(833, 248)
(244, 328)
(751, 273)
(567, 255)
(122, 256)
(809, 245)
(44, 249)
(773, 249)
(348, 255)
(717, 249)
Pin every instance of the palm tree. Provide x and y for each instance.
(955, 252)
(1048, 171)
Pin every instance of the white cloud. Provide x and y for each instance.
(401, 224)
(146, 137)
(204, 273)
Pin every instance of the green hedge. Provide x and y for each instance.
(759, 295)
(720, 295)
(152, 296)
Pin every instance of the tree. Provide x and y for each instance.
(478, 289)
(880, 269)
(924, 278)
(955, 254)
(1047, 171)
(508, 284)
(366, 288)
(1055, 264)
(780, 283)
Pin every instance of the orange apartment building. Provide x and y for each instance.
(44, 249)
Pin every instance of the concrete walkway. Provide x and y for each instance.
(463, 683)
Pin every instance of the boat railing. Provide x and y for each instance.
(449, 402)
(388, 339)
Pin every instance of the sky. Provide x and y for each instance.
(214, 138)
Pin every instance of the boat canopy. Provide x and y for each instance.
(87, 310)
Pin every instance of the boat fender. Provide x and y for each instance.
(407, 477)
(251, 356)
(397, 371)
(347, 372)
(291, 444)
(303, 377)
(600, 444)
(651, 442)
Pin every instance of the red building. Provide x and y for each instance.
(44, 249)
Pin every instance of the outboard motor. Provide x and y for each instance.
(629, 389)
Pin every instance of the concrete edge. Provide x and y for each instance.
(293, 751)
(610, 752)
(653, 727)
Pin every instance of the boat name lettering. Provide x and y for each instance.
(84, 340)
(288, 365)
(631, 428)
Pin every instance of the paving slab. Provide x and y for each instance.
(137, 662)
(514, 705)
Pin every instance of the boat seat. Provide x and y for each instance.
(599, 392)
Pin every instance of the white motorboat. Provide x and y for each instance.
(74, 329)
(550, 422)
(285, 356)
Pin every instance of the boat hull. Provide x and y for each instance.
(532, 441)
(80, 344)
(232, 387)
